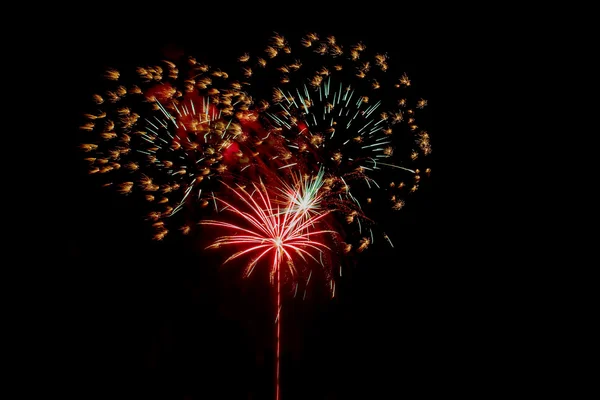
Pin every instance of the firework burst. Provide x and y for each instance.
(286, 156)
(163, 135)
(169, 133)
(346, 118)
(286, 234)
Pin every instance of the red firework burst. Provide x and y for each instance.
(284, 233)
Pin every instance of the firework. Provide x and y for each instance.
(170, 133)
(286, 156)
(341, 116)
(284, 233)
(163, 134)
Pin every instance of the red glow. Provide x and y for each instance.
(230, 154)
(161, 92)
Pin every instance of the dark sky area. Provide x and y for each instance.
(140, 319)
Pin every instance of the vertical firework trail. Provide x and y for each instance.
(277, 367)
(287, 157)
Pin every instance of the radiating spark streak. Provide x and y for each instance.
(162, 140)
(293, 100)
(161, 123)
(153, 131)
(146, 138)
(375, 144)
(227, 127)
(177, 109)
(148, 121)
(389, 241)
(374, 130)
(366, 125)
(397, 166)
(287, 166)
(306, 92)
(349, 97)
(284, 96)
(167, 113)
(175, 210)
(302, 102)
(354, 199)
(352, 119)
(373, 108)
(280, 121)
(285, 109)
(180, 205)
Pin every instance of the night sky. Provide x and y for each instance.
(142, 319)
